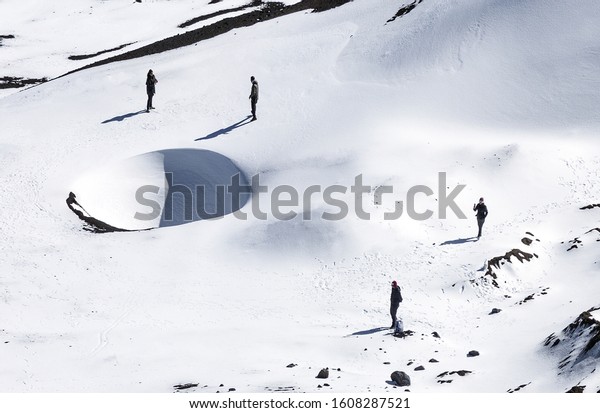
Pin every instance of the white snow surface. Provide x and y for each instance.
(502, 96)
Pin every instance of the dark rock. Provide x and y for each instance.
(473, 353)
(403, 334)
(289, 366)
(526, 241)
(185, 386)
(419, 368)
(495, 311)
(449, 373)
(323, 374)
(576, 389)
(433, 361)
(519, 388)
(435, 334)
(401, 378)
(528, 298)
(232, 389)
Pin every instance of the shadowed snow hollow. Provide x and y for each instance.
(163, 188)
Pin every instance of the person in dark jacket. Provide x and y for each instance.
(253, 96)
(395, 300)
(150, 89)
(482, 212)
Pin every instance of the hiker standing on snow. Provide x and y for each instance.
(253, 96)
(395, 300)
(482, 212)
(150, 89)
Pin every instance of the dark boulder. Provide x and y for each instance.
(323, 374)
(400, 378)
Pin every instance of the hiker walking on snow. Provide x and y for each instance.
(395, 300)
(253, 96)
(482, 212)
(150, 89)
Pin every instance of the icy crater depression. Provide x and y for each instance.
(163, 188)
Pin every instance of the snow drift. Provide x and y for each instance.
(163, 188)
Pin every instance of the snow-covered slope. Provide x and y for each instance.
(497, 95)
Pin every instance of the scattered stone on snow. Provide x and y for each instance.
(401, 378)
(323, 374)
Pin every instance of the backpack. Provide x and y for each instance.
(399, 327)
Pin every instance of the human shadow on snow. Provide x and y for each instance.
(123, 117)
(459, 241)
(371, 331)
(228, 129)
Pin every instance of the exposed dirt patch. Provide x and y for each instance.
(497, 262)
(405, 10)
(576, 389)
(198, 19)
(460, 373)
(270, 10)
(530, 297)
(6, 36)
(93, 224)
(9, 82)
(88, 56)
(576, 242)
